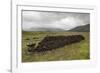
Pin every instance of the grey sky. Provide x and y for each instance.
(66, 21)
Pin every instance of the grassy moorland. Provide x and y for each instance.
(76, 51)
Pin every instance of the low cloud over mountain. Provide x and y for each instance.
(53, 21)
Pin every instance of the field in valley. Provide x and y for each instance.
(76, 51)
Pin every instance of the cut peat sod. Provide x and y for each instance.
(54, 42)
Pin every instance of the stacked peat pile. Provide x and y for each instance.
(54, 42)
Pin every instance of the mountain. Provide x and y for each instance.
(85, 28)
(45, 29)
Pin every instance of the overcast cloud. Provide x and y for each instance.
(66, 21)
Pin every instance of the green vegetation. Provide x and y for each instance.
(76, 51)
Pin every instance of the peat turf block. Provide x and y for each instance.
(54, 42)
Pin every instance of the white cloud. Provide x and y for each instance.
(33, 19)
(31, 16)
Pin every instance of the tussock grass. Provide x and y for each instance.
(76, 51)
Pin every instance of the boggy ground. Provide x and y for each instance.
(75, 51)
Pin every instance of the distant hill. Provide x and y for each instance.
(85, 28)
(45, 29)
